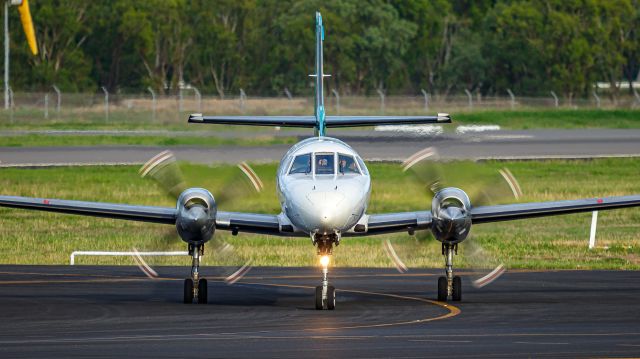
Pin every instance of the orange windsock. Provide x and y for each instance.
(27, 25)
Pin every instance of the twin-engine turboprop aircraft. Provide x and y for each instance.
(323, 186)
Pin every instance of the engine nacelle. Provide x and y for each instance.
(196, 219)
(451, 220)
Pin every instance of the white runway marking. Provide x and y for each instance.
(461, 130)
(425, 130)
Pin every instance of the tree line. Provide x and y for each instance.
(397, 46)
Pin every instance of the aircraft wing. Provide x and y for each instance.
(354, 121)
(232, 221)
(394, 222)
(164, 215)
(249, 223)
(283, 121)
(507, 212)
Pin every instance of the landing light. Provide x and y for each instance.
(324, 261)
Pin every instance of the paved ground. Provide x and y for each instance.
(62, 311)
(372, 145)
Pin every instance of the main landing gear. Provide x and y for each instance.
(195, 287)
(325, 293)
(450, 285)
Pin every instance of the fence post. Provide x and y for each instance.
(555, 98)
(513, 98)
(337, 96)
(180, 99)
(426, 99)
(46, 105)
(635, 93)
(198, 98)
(106, 103)
(592, 236)
(153, 103)
(470, 98)
(288, 93)
(58, 98)
(381, 93)
(243, 98)
(11, 103)
(597, 98)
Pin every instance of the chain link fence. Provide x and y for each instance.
(43, 108)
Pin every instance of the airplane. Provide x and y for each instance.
(323, 187)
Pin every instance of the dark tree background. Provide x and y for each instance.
(398, 46)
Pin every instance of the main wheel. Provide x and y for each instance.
(202, 291)
(442, 289)
(331, 298)
(456, 293)
(319, 297)
(188, 291)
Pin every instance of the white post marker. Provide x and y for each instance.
(592, 236)
(381, 94)
(46, 105)
(72, 258)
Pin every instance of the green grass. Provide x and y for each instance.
(33, 140)
(563, 118)
(30, 237)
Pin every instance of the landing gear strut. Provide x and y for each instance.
(195, 287)
(325, 293)
(449, 286)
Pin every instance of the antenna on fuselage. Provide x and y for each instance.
(319, 75)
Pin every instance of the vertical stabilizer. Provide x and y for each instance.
(319, 75)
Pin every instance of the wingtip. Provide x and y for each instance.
(195, 117)
(444, 117)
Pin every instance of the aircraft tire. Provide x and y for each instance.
(456, 293)
(331, 298)
(202, 291)
(188, 291)
(319, 298)
(442, 289)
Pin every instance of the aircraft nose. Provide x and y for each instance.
(325, 207)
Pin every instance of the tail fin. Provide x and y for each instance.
(319, 121)
(319, 75)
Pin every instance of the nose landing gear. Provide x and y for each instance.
(195, 287)
(325, 293)
(450, 285)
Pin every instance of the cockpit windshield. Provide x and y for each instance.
(347, 165)
(301, 164)
(325, 163)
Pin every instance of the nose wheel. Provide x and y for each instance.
(195, 287)
(449, 285)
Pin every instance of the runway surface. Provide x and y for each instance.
(372, 145)
(85, 311)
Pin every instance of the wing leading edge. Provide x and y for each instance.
(508, 212)
(163, 215)
(232, 221)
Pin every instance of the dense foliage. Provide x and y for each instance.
(399, 46)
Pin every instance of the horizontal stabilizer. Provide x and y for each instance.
(355, 121)
(284, 121)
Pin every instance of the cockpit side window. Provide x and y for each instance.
(301, 164)
(325, 163)
(347, 165)
(362, 166)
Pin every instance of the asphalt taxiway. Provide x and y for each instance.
(86, 311)
(372, 145)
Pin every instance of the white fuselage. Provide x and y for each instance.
(323, 186)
